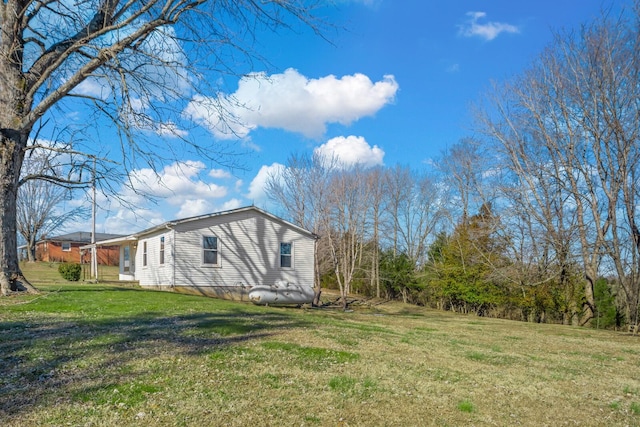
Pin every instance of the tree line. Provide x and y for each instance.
(533, 218)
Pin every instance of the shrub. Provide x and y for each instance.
(70, 271)
(607, 313)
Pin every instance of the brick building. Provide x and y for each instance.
(66, 248)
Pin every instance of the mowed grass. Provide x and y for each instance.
(46, 273)
(104, 355)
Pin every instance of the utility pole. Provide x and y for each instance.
(94, 250)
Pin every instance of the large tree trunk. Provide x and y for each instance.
(589, 304)
(14, 134)
(11, 156)
(31, 250)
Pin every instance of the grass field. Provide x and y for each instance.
(105, 355)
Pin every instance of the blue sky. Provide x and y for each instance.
(394, 87)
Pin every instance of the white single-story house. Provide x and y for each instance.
(223, 254)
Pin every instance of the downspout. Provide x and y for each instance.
(94, 249)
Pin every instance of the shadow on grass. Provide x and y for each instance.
(43, 361)
(89, 287)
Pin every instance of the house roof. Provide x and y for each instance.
(171, 224)
(79, 237)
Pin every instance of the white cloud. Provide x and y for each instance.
(180, 189)
(219, 173)
(135, 113)
(194, 207)
(487, 31)
(93, 87)
(157, 80)
(177, 186)
(138, 105)
(127, 221)
(257, 186)
(292, 102)
(176, 183)
(232, 204)
(197, 207)
(350, 151)
(170, 129)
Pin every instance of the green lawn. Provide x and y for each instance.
(104, 355)
(47, 273)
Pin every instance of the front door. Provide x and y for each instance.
(128, 257)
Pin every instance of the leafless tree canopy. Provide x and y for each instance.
(534, 211)
(39, 204)
(567, 130)
(356, 211)
(135, 63)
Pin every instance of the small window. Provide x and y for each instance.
(210, 250)
(144, 254)
(66, 246)
(286, 256)
(162, 250)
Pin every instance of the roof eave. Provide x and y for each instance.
(112, 242)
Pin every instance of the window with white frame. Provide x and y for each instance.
(144, 254)
(210, 254)
(286, 255)
(66, 246)
(161, 249)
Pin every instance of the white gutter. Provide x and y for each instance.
(111, 242)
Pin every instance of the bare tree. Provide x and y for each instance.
(39, 209)
(463, 167)
(399, 186)
(355, 212)
(578, 104)
(541, 218)
(375, 182)
(301, 188)
(146, 57)
(346, 222)
(414, 208)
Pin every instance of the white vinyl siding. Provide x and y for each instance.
(155, 273)
(248, 251)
